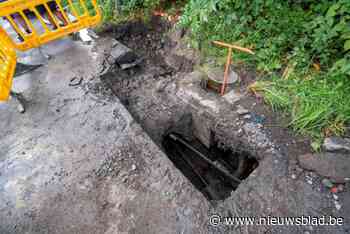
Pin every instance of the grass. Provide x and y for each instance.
(298, 36)
(308, 39)
(317, 107)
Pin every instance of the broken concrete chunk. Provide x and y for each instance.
(336, 167)
(84, 36)
(123, 56)
(337, 144)
(92, 34)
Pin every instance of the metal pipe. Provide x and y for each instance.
(224, 171)
(227, 69)
(233, 47)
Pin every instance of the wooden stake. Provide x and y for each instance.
(229, 60)
(227, 69)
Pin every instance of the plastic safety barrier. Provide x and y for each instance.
(37, 22)
(7, 65)
(31, 23)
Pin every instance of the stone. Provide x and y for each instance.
(133, 167)
(340, 188)
(337, 144)
(232, 97)
(118, 49)
(240, 132)
(335, 167)
(125, 66)
(20, 107)
(337, 205)
(241, 110)
(248, 117)
(84, 36)
(75, 81)
(123, 56)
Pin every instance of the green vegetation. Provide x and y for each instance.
(119, 10)
(302, 53)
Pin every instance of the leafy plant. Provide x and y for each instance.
(307, 41)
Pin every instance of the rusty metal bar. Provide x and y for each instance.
(224, 171)
(229, 60)
(227, 69)
(233, 47)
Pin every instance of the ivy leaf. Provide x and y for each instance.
(332, 11)
(213, 6)
(347, 45)
(345, 36)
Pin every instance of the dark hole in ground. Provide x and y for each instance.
(214, 172)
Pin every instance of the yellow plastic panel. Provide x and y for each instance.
(7, 65)
(36, 15)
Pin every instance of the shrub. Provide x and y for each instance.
(307, 39)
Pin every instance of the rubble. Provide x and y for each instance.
(337, 145)
(241, 110)
(123, 56)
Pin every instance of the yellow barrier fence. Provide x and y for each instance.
(29, 24)
(7, 65)
(37, 22)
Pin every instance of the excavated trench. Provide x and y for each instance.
(148, 91)
(214, 172)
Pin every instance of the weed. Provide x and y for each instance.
(291, 39)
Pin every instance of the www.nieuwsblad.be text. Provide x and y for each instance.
(216, 220)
